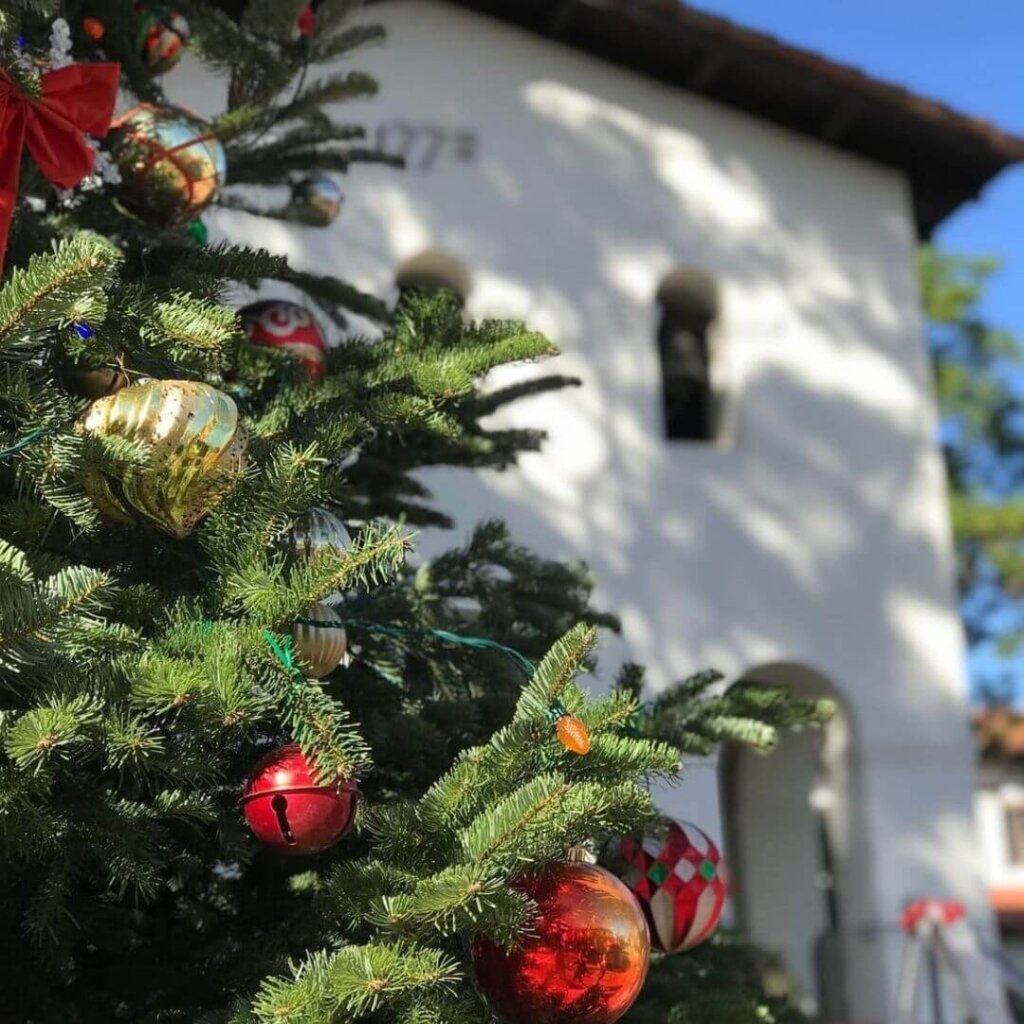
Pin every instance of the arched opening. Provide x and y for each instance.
(689, 306)
(432, 271)
(797, 843)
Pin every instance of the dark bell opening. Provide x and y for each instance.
(280, 805)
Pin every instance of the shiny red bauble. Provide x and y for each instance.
(289, 811)
(585, 961)
(680, 882)
(278, 323)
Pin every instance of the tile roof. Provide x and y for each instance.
(999, 733)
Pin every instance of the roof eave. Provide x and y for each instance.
(948, 157)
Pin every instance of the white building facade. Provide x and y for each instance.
(806, 543)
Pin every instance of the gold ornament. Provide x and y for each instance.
(172, 164)
(320, 647)
(318, 530)
(196, 447)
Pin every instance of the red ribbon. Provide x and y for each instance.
(76, 99)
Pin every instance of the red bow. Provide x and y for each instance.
(77, 98)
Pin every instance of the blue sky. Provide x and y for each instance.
(968, 55)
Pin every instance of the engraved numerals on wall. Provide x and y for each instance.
(424, 145)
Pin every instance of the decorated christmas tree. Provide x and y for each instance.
(255, 766)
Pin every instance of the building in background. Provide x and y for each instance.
(1000, 813)
(719, 232)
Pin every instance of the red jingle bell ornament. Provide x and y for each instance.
(680, 883)
(586, 960)
(278, 323)
(289, 811)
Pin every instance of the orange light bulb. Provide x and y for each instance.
(94, 28)
(572, 734)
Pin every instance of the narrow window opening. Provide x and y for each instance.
(688, 299)
(1015, 833)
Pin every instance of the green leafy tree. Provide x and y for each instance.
(143, 672)
(978, 372)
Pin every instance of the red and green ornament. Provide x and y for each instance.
(680, 882)
(163, 36)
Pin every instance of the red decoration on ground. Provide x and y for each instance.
(936, 911)
(76, 99)
(289, 811)
(680, 883)
(278, 323)
(94, 28)
(587, 959)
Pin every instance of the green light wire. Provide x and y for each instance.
(412, 632)
(29, 439)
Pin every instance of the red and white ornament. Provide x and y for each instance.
(278, 323)
(289, 810)
(680, 882)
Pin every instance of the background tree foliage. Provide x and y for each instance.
(979, 370)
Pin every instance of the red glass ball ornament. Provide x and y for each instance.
(680, 882)
(587, 959)
(305, 24)
(278, 323)
(289, 811)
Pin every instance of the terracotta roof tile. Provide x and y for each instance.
(999, 733)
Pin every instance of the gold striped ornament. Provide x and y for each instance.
(196, 447)
(321, 647)
(316, 531)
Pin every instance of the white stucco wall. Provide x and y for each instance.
(820, 536)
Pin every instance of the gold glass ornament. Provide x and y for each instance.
(318, 530)
(196, 446)
(171, 162)
(320, 647)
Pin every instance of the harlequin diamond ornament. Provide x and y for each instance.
(163, 36)
(289, 810)
(585, 961)
(680, 882)
(317, 200)
(171, 162)
(320, 640)
(278, 323)
(196, 450)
